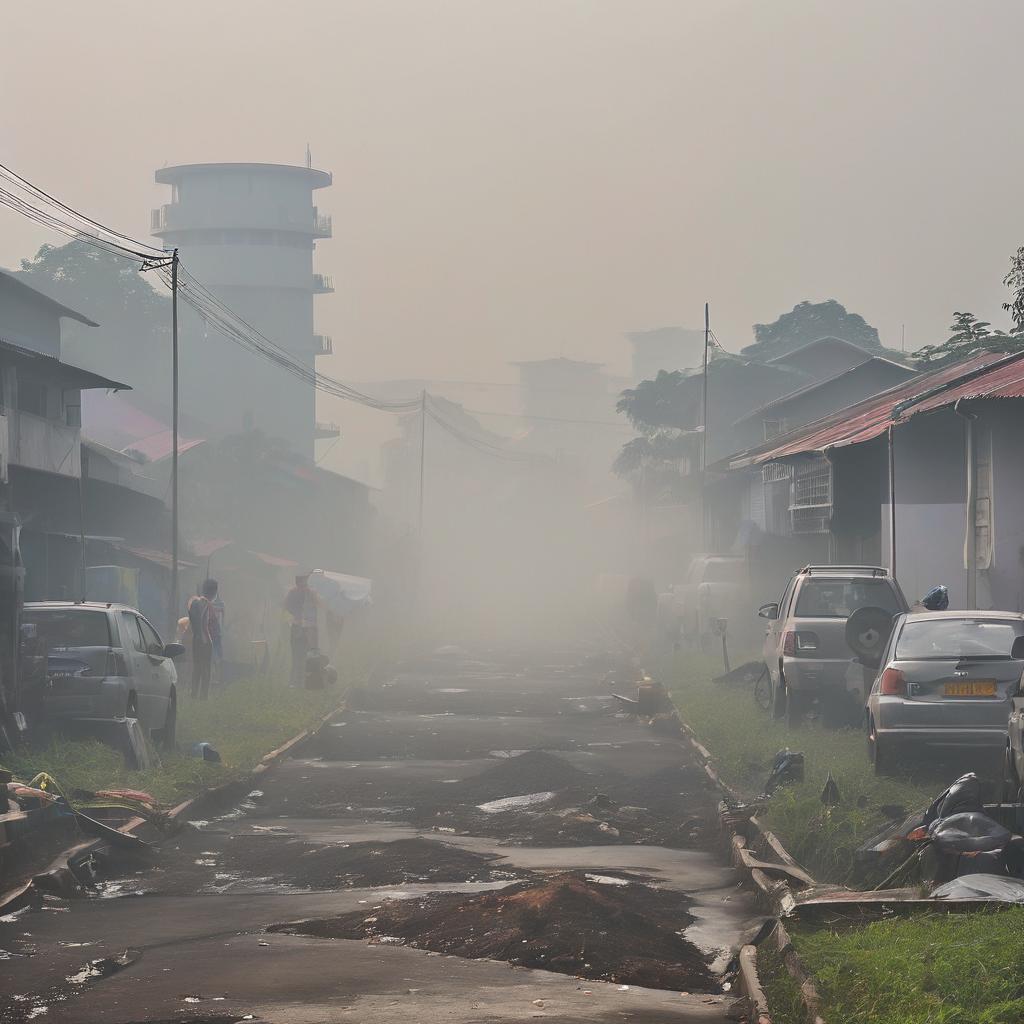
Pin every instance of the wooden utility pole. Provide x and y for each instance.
(704, 430)
(423, 452)
(174, 442)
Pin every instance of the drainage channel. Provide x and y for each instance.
(460, 819)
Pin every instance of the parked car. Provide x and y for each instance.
(105, 661)
(947, 680)
(716, 587)
(805, 646)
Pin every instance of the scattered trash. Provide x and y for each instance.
(830, 792)
(104, 967)
(787, 766)
(982, 887)
(206, 751)
(514, 803)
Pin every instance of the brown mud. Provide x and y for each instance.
(624, 933)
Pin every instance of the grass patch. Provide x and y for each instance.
(934, 969)
(743, 739)
(243, 722)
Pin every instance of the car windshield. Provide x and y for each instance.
(955, 638)
(839, 599)
(63, 628)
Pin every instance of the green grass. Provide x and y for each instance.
(743, 739)
(243, 722)
(934, 969)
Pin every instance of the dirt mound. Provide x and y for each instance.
(623, 933)
(360, 864)
(533, 771)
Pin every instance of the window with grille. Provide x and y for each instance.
(810, 505)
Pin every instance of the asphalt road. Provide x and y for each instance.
(395, 799)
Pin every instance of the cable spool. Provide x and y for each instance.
(867, 632)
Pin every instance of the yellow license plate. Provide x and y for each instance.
(972, 688)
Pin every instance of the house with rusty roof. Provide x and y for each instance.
(926, 476)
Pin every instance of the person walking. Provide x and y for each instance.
(202, 625)
(302, 605)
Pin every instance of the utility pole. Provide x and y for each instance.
(704, 430)
(174, 440)
(423, 452)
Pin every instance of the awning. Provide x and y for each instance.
(339, 591)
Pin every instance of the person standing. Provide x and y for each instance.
(202, 626)
(302, 605)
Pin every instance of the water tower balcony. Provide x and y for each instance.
(239, 216)
(323, 284)
(321, 224)
(323, 345)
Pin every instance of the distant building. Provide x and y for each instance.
(665, 348)
(247, 231)
(569, 409)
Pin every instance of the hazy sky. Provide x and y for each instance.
(522, 178)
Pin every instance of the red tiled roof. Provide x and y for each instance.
(986, 375)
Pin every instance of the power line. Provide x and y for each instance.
(212, 310)
(549, 419)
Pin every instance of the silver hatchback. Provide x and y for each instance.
(947, 681)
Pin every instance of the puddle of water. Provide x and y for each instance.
(512, 803)
(507, 753)
(452, 689)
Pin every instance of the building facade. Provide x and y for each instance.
(247, 231)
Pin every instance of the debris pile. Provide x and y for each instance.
(625, 933)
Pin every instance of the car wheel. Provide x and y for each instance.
(878, 753)
(1011, 784)
(169, 733)
(779, 696)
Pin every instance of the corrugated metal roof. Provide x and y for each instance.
(986, 375)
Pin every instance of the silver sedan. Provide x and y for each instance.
(947, 680)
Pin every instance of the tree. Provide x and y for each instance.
(132, 343)
(968, 335)
(1015, 280)
(807, 322)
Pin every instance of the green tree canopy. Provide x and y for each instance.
(807, 322)
(968, 335)
(132, 343)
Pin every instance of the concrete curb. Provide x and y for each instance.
(758, 854)
(60, 877)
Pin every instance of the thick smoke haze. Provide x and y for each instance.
(526, 179)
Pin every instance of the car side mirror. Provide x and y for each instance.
(1017, 650)
(173, 650)
(769, 611)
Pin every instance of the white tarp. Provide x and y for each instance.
(340, 592)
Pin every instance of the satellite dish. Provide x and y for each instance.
(867, 633)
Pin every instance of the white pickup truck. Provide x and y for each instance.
(716, 587)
